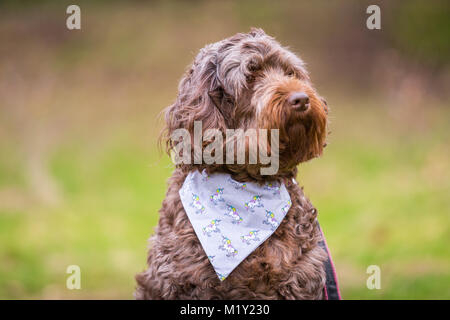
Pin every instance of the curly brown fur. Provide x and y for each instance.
(243, 82)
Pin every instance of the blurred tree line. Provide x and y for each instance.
(413, 42)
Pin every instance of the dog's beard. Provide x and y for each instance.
(304, 138)
(302, 134)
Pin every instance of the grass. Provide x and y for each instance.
(378, 203)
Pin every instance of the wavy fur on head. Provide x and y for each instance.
(242, 82)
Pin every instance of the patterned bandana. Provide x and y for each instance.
(231, 219)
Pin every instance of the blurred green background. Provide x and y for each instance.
(81, 179)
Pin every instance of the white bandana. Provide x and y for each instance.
(231, 219)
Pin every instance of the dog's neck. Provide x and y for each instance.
(246, 173)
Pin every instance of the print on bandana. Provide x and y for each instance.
(217, 196)
(271, 187)
(211, 227)
(252, 235)
(252, 204)
(199, 208)
(231, 212)
(237, 185)
(270, 220)
(231, 218)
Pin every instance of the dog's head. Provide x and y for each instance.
(249, 81)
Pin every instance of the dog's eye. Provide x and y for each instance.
(290, 73)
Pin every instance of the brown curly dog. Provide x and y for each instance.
(246, 81)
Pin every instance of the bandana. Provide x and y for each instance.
(232, 219)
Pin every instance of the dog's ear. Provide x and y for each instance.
(224, 104)
(200, 98)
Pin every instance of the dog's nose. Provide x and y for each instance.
(299, 101)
